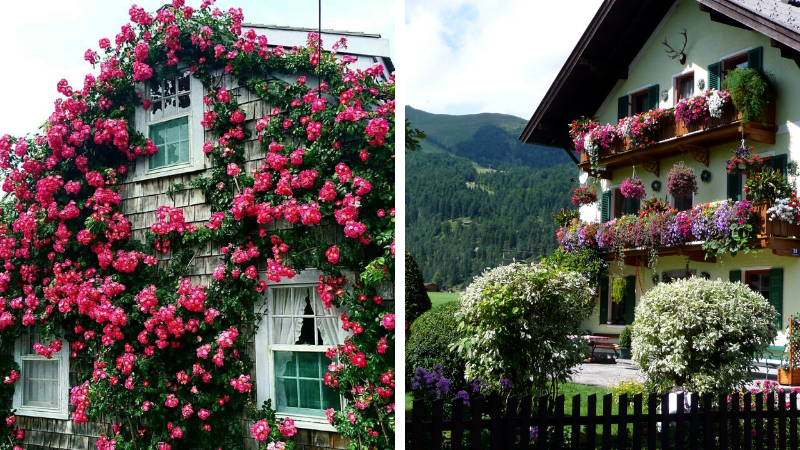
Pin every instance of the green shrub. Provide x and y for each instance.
(417, 300)
(521, 322)
(700, 335)
(431, 336)
(588, 262)
(625, 337)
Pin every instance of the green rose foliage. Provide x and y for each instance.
(430, 342)
(701, 335)
(417, 300)
(521, 322)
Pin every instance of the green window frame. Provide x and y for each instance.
(172, 139)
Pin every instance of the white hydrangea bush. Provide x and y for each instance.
(700, 335)
(524, 325)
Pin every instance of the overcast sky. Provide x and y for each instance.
(472, 56)
(44, 41)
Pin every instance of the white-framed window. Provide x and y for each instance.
(43, 389)
(172, 122)
(291, 342)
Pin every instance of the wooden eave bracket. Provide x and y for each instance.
(786, 51)
(699, 153)
(651, 165)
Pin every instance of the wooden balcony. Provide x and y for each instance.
(676, 138)
(779, 236)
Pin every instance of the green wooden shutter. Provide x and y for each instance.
(622, 107)
(605, 206)
(713, 75)
(776, 293)
(779, 162)
(652, 97)
(734, 187)
(755, 58)
(630, 299)
(736, 275)
(604, 301)
(633, 206)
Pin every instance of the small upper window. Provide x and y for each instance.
(684, 203)
(639, 102)
(684, 86)
(169, 120)
(733, 63)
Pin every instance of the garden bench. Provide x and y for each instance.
(613, 346)
(772, 357)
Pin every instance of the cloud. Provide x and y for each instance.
(44, 41)
(468, 57)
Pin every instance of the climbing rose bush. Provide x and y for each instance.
(700, 335)
(155, 348)
(521, 322)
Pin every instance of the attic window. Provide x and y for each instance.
(639, 102)
(734, 63)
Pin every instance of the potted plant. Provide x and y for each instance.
(632, 187)
(750, 90)
(743, 161)
(625, 338)
(767, 185)
(584, 196)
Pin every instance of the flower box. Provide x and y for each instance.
(789, 377)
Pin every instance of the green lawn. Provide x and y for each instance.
(437, 298)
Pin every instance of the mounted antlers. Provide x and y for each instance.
(677, 54)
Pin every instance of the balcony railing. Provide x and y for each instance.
(676, 138)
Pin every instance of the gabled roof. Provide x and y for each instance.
(613, 39)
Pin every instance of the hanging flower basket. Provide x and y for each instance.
(743, 161)
(681, 180)
(632, 187)
(584, 196)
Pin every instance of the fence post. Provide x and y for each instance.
(525, 414)
(622, 429)
(708, 408)
(652, 403)
(694, 422)
(476, 428)
(496, 435)
(665, 421)
(541, 431)
(771, 421)
(759, 420)
(417, 416)
(576, 424)
(637, 422)
(437, 421)
(735, 422)
(607, 421)
(511, 422)
(559, 431)
(591, 425)
(457, 433)
(680, 401)
(747, 404)
(723, 420)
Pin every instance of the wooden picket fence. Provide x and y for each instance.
(736, 425)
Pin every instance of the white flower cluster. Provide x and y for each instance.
(714, 103)
(782, 210)
(589, 145)
(701, 335)
(624, 128)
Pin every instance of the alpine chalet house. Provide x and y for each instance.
(657, 79)
(42, 395)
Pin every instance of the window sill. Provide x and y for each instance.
(182, 169)
(616, 326)
(316, 424)
(28, 412)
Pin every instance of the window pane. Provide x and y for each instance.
(172, 140)
(299, 388)
(40, 383)
(183, 101)
(169, 87)
(184, 82)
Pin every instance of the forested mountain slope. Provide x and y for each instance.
(460, 222)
